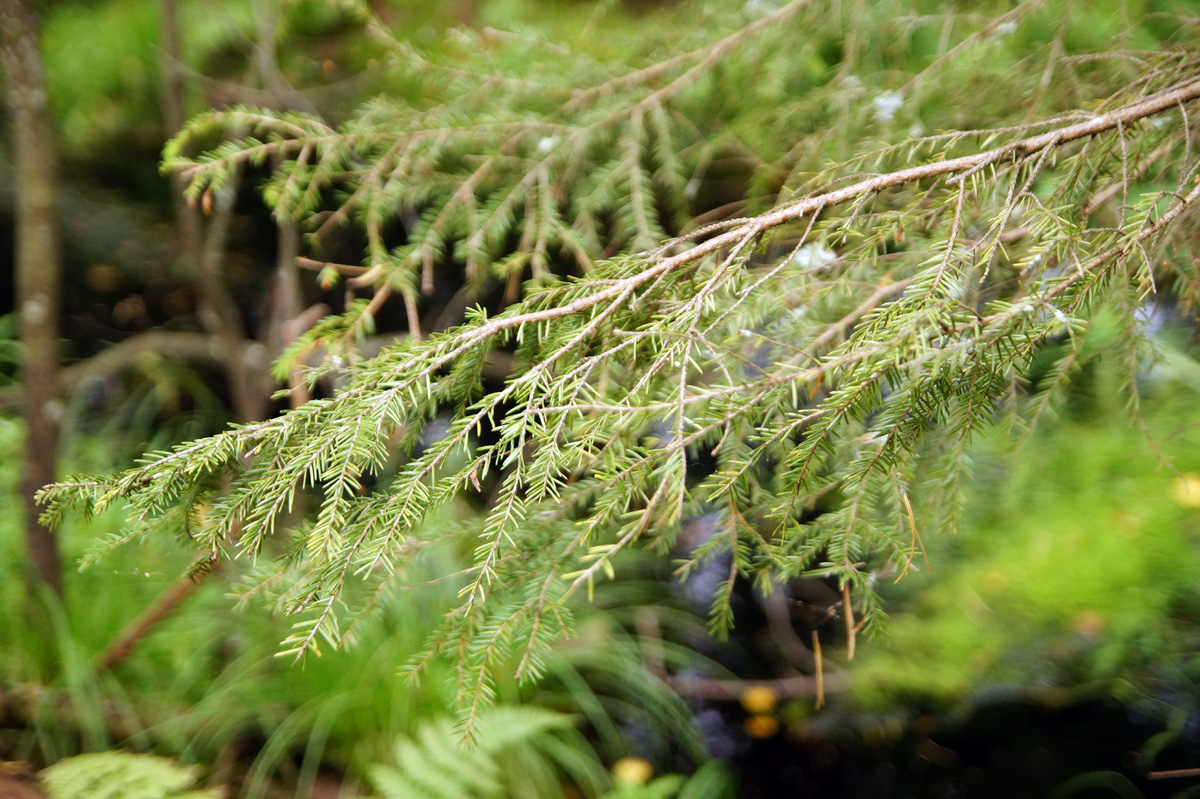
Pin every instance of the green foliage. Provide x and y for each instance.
(206, 680)
(591, 674)
(97, 97)
(9, 348)
(521, 753)
(1076, 566)
(813, 375)
(102, 66)
(121, 775)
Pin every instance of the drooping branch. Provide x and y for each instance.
(445, 350)
(812, 379)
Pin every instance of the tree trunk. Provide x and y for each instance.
(37, 267)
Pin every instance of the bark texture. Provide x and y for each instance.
(37, 267)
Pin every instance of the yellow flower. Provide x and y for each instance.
(632, 771)
(760, 726)
(759, 699)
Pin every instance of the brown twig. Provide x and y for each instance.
(1173, 773)
(175, 345)
(820, 676)
(848, 615)
(916, 539)
(732, 690)
(346, 270)
(122, 645)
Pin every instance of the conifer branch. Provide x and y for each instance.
(798, 372)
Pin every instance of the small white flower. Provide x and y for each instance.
(546, 144)
(813, 255)
(1005, 28)
(886, 105)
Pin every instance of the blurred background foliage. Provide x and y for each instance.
(1075, 578)
(1077, 567)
